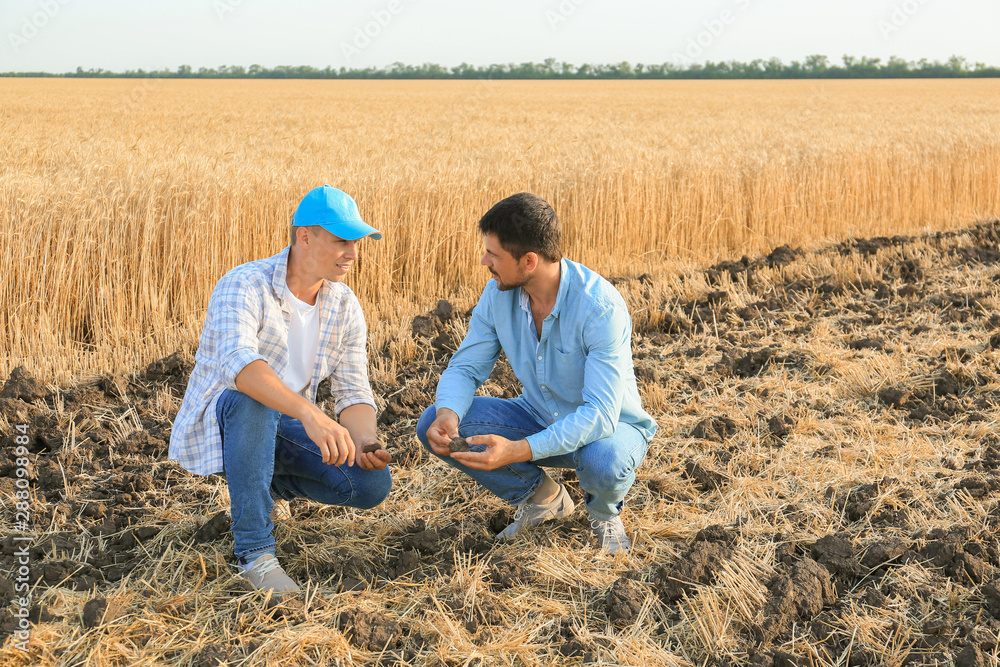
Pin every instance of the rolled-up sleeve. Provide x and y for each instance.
(349, 383)
(607, 338)
(473, 362)
(232, 326)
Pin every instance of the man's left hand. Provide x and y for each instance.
(376, 460)
(499, 452)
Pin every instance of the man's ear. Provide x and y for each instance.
(530, 260)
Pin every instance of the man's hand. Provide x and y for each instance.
(334, 441)
(376, 460)
(499, 452)
(442, 430)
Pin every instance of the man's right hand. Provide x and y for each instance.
(442, 430)
(334, 441)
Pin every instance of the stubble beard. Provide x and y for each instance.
(506, 287)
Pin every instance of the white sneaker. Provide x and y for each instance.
(529, 514)
(611, 535)
(265, 573)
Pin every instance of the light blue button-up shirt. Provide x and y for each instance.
(577, 378)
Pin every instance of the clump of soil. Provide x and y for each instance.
(836, 554)
(22, 386)
(780, 426)
(704, 478)
(213, 529)
(570, 644)
(624, 600)
(369, 630)
(101, 611)
(797, 596)
(505, 573)
(372, 447)
(458, 444)
(213, 655)
(714, 429)
(884, 552)
(695, 567)
(754, 362)
(894, 397)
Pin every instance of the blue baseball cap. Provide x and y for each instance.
(334, 211)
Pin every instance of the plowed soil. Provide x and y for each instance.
(822, 491)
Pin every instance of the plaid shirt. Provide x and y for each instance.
(247, 319)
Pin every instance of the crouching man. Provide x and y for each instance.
(274, 329)
(567, 334)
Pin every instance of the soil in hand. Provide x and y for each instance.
(458, 444)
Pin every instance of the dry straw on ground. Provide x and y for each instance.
(122, 202)
(822, 491)
(823, 486)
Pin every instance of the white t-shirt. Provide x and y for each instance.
(303, 344)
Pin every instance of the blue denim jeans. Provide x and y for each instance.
(267, 453)
(605, 468)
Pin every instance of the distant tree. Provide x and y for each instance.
(814, 66)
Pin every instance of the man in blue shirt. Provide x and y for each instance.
(567, 334)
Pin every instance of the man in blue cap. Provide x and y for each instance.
(275, 328)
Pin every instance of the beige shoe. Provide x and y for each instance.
(530, 514)
(611, 535)
(266, 574)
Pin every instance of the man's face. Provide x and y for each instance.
(332, 256)
(508, 272)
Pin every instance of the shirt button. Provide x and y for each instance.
(543, 387)
(555, 414)
(539, 357)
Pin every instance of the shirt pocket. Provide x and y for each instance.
(567, 372)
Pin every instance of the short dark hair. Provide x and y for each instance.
(524, 223)
(295, 237)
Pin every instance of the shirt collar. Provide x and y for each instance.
(560, 295)
(563, 287)
(279, 281)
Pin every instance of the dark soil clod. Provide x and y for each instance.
(100, 611)
(21, 385)
(697, 566)
(624, 601)
(213, 529)
(370, 631)
(458, 444)
(894, 397)
(704, 478)
(714, 429)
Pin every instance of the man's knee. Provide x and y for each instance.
(236, 404)
(607, 465)
(377, 485)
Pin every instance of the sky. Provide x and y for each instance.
(61, 35)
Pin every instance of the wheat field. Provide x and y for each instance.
(122, 202)
(824, 488)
